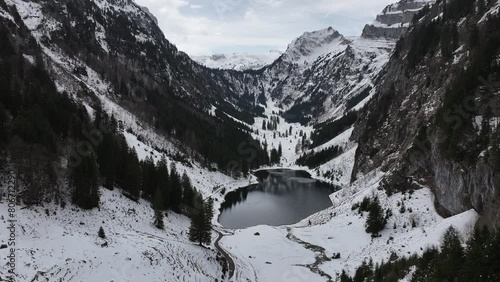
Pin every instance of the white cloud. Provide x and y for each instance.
(205, 27)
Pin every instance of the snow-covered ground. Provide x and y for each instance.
(61, 244)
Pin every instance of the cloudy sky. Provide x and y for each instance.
(203, 27)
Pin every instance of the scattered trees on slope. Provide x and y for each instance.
(478, 261)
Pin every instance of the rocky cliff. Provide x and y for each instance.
(394, 19)
(434, 119)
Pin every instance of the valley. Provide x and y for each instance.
(320, 163)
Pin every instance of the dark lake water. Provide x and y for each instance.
(282, 197)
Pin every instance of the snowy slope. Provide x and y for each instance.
(303, 252)
(238, 61)
(61, 244)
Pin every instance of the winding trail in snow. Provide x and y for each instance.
(320, 255)
(230, 262)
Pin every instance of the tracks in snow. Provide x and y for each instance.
(319, 255)
(230, 262)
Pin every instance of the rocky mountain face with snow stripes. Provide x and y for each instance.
(315, 76)
(394, 19)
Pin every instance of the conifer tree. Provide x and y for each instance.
(376, 220)
(132, 181)
(164, 183)
(84, 181)
(158, 207)
(101, 233)
(187, 189)
(176, 189)
(200, 230)
(450, 259)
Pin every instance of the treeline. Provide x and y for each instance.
(327, 131)
(315, 159)
(61, 153)
(478, 261)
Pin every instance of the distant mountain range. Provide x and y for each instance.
(238, 61)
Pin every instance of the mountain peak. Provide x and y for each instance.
(311, 45)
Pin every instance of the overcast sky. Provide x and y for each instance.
(202, 27)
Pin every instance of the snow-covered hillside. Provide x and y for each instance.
(238, 61)
(304, 252)
(61, 244)
(311, 82)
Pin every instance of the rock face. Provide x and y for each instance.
(394, 19)
(411, 129)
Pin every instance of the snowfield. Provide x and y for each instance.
(61, 244)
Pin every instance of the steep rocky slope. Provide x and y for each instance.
(394, 19)
(434, 120)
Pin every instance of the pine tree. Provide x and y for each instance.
(164, 183)
(101, 233)
(158, 207)
(84, 181)
(209, 214)
(425, 267)
(149, 181)
(132, 181)
(450, 259)
(188, 192)
(344, 277)
(176, 189)
(200, 230)
(475, 258)
(493, 255)
(376, 220)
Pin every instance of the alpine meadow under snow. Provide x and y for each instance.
(114, 145)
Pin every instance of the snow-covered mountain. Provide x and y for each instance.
(238, 61)
(316, 75)
(111, 54)
(321, 70)
(394, 19)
